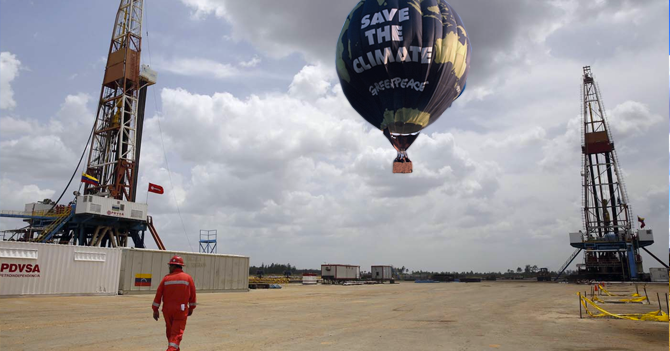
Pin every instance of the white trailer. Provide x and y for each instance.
(339, 273)
(142, 271)
(52, 269)
(382, 273)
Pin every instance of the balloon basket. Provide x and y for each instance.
(401, 142)
(402, 167)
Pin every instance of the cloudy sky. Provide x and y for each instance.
(263, 146)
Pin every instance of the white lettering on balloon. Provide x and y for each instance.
(397, 83)
(385, 34)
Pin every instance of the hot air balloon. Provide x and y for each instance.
(401, 64)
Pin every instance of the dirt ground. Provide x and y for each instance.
(406, 316)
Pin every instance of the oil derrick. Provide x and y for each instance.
(605, 201)
(106, 214)
(112, 154)
(611, 246)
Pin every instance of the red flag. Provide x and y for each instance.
(153, 188)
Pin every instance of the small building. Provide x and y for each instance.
(339, 273)
(382, 273)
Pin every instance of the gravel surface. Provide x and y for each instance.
(445, 316)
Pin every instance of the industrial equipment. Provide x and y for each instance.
(310, 279)
(611, 245)
(543, 275)
(208, 241)
(106, 214)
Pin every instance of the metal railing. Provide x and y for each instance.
(56, 224)
(30, 213)
(567, 263)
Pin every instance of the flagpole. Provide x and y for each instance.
(147, 202)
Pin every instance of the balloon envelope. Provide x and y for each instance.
(401, 63)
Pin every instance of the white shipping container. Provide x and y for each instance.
(37, 207)
(382, 272)
(646, 235)
(51, 269)
(340, 272)
(348, 272)
(142, 270)
(658, 274)
(103, 206)
(575, 238)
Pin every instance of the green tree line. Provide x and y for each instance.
(279, 269)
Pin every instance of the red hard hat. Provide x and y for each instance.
(176, 260)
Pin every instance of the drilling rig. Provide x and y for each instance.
(106, 214)
(611, 245)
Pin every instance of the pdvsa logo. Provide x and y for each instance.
(19, 270)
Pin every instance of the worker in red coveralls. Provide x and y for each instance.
(177, 291)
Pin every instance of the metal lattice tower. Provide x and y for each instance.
(605, 201)
(208, 241)
(106, 215)
(611, 248)
(113, 147)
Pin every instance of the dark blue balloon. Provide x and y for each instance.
(401, 63)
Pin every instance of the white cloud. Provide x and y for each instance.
(12, 126)
(303, 165)
(282, 30)
(266, 134)
(564, 149)
(28, 152)
(251, 63)
(311, 83)
(524, 138)
(9, 70)
(15, 194)
(196, 67)
(474, 94)
(205, 7)
(28, 146)
(632, 118)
